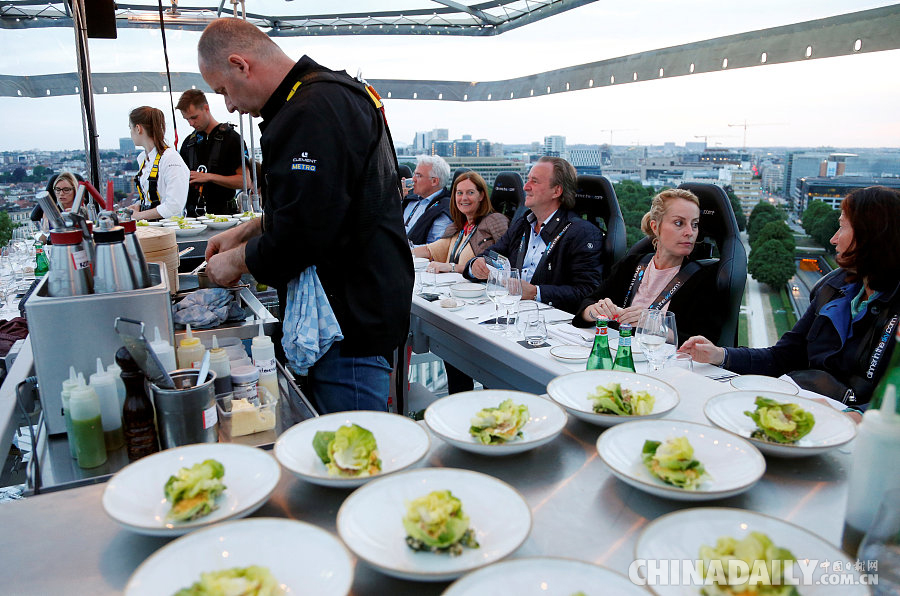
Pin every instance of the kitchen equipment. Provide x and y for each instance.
(186, 416)
(51, 210)
(143, 354)
(164, 351)
(113, 271)
(159, 246)
(70, 265)
(135, 253)
(75, 330)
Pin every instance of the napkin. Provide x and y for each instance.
(569, 334)
(310, 326)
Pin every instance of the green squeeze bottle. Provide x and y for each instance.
(600, 357)
(624, 360)
(87, 426)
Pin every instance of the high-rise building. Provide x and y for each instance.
(555, 146)
(586, 161)
(442, 148)
(746, 188)
(126, 146)
(440, 134)
(799, 164)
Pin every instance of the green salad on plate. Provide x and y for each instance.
(780, 423)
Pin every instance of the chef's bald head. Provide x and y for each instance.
(227, 36)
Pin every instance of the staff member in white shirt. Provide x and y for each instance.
(163, 177)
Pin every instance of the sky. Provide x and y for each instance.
(848, 102)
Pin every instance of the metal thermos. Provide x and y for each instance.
(136, 253)
(70, 265)
(77, 221)
(112, 266)
(50, 208)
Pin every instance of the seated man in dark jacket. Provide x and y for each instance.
(558, 253)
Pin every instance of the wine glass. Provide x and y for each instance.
(513, 296)
(657, 335)
(535, 328)
(496, 289)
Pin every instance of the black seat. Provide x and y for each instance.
(404, 172)
(718, 245)
(508, 196)
(457, 172)
(595, 201)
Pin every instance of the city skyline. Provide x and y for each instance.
(845, 102)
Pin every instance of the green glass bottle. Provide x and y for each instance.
(600, 358)
(42, 265)
(891, 377)
(624, 359)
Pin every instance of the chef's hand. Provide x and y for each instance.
(702, 350)
(226, 268)
(480, 269)
(200, 177)
(529, 291)
(233, 238)
(603, 308)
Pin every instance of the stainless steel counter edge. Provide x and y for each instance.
(21, 369)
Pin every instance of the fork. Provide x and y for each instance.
(723, 378)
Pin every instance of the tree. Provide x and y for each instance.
(18, 174)
(776, 230)
(634, 201)
(814, 211)
(824, 228)
(757, 224)
(738, 210)
(771, 263)
(6, 228)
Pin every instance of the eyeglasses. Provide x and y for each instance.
(61, 189)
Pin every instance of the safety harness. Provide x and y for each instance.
(152, 190)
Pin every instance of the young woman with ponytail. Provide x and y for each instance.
(162, 179)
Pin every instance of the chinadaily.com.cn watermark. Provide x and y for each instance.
(807, 572)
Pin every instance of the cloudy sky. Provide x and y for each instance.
(841, 102)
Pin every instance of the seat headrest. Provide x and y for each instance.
(456, 174)
(404, 172)
(717, 222)
(508, 193)
(592, 198)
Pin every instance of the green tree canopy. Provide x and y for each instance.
(634, 201)
(738, 210)
(771, 263)
(6, 228)
(823, 228)
(776, 230)
(759, 222)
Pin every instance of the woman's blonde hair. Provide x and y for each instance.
(68, 177)
(660, 205)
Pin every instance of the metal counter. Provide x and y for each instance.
(64, 543)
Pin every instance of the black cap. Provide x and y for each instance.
(113, 234)
(126, 362)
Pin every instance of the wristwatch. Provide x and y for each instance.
(452, 267)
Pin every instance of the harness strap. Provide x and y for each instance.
(152, 189)
(667, 292)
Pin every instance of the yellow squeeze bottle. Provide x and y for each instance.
(190, 351)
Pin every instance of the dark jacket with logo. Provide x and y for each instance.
(697, 307)
(571, 270)
(221, 152)
(334, 202)
(826, 339)
(439, 205)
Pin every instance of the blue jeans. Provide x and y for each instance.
(338, 383)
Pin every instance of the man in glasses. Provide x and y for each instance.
(213, 152)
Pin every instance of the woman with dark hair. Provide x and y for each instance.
(666, 279)
(163, 177)
(475, 226)
(843, 343)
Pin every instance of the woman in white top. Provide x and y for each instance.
(162, 179)
(641, 281)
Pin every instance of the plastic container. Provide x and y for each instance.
(239, 417)
(263, 351)
(104, 385)
(221, 365)
(116, 372)
(87, 427)
(190, 351)
(65, 394)
(245, 383)
(164, 351)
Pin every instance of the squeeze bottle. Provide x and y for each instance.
(87, 426)
(221, 365)
(104, 385)
(165, 352)
(66, 393)
(190, 351)
(263, 351)
(115, 371)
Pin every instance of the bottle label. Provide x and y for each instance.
(601, 330)
(624, 341)
(80, 260)
(266, 366)
(210, 417)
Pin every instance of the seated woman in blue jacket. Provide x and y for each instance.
(843, 343)
(666, 279)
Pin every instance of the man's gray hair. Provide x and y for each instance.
(440, 169)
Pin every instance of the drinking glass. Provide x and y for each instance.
(880, 549)
(535, 328)
(656, 333)
(525, 307)
(680, 360)
(496, 289)
(513, 296)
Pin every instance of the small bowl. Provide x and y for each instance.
(467, 289)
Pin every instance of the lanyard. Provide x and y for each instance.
(413, 212)
(666, 294)
(461, 240)
(879, 349)
(547, 250)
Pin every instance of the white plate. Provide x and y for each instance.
(733, 464)
(194, 230)
(248, 217)
(832, 428)
(155, 224)
(571, 392)
(571, 354)
(303, 559)
(401, 443)
(467, 289)
(134, 496)
(763, 383)
(370, 522)
(543, 576)
(450, 418)
(678, 537)
(222, 225)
